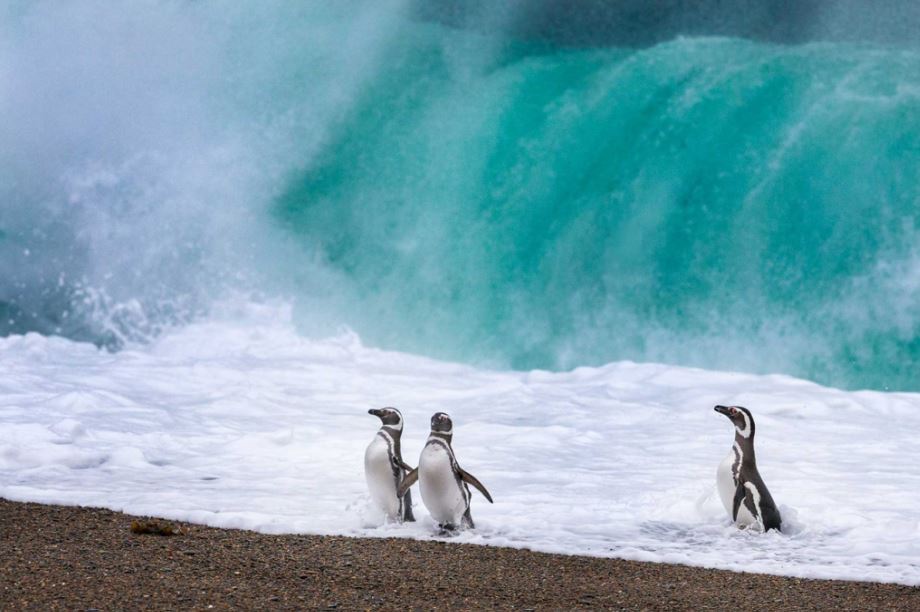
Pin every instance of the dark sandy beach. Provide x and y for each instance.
(55, 557)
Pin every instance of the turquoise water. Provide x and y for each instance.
(463, 192)
(713, 202)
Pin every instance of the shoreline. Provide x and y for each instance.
(64, 557)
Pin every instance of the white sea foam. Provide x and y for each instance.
(249, 425)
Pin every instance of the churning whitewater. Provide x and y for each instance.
(246, 424)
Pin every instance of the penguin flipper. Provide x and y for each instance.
(736, 502)
(470, 479)
(407, 482)
(404, 465)
(743, 495)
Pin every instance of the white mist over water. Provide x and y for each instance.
(472, 193)
(142, 147)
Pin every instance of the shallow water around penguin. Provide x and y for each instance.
(244, 423)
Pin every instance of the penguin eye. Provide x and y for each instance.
(733, 412)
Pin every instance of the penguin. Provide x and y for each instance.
(743, 492)
(385, 469)
(443, 483)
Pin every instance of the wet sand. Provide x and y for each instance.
(54, 557)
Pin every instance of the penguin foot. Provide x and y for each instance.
(447, 529)
(755, 527)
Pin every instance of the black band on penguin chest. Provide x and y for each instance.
(392, 456)
(450, 452)
(736, 464)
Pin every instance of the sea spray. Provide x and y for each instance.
(484, 190)
(706, 201)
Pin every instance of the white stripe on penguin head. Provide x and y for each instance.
(448, 432)
(746, 432)
(399, 424)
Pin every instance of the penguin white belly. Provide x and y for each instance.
(379, 474)
(745, 518)
(725, 482)
(440, 490)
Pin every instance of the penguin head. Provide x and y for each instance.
(441, 423)
(740, 417)
(390, 417)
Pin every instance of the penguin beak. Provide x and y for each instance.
(377, 412)
(721, 410)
